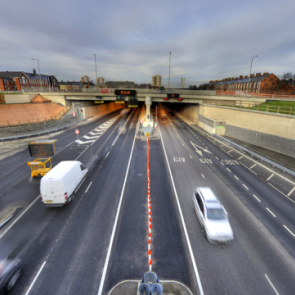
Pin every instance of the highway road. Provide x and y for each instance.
(101, 238)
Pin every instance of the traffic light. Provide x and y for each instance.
(180, 99)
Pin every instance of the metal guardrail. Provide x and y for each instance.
(284, 169)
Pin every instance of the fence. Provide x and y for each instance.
(37, 121)
(253, 94)
(253, 106)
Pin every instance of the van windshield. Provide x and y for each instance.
(215, 213)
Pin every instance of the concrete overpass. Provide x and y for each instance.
(188, 96)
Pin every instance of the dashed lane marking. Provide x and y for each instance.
(270, 212)
(217, 158)
(253, 166)
(245, 187)
(190, 156)
(275, 290)
(289, 230)
(88, 187)
(228, 170)
(240, 157)
(202, 175)
(221, 163)
(256, 198)
(270, 177)
(236, 177)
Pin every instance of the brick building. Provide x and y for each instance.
(266, 83)
(70, 86)
(23, 81)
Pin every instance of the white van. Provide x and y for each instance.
(61, 182)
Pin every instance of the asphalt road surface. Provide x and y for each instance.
(101, 238)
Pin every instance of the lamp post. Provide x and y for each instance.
(95, 71)
(250, 71)
(39, 72)
(169, 71)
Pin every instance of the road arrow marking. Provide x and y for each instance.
(200, 149)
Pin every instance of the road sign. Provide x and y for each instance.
(125, 92)
(77, 131)
(141, 121)
(173, 95)
(104, 90)
(74, 114)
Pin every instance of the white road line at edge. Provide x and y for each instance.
(272, 285)
(183, 223)
(245, 187)
(19, 217)
(236, 177)
(36, 277)
(116, 220)
(202, 175)
(107, 154)
(88, 187)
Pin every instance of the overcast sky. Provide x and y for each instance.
(132, 39)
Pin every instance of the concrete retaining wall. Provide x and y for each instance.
(57, 99)
(93, 111)
(18, 98)
(272, 131)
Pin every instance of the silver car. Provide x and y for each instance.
(212, 216)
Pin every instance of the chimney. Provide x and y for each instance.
(258, 74)
(34, 71)
(252, 75)
(265, 74)
(241, 77)
(246, 77)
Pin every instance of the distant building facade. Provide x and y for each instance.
(266, 83)
(156, 81)
(23, 81)
(100, 80)
(85, 79)
(70, 86)
(182, 82)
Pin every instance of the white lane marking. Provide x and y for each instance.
(225, 210)
(256, 198)
(245, 187)
(202, 175)
(277, 189)
(272, 285)
(183, 224)
(270, 212)
(115, 139)
(230, 151)
(236, 177)
(240, 158)
(221, 145)
(221, 163)
(248, 168)
(270, 177)
(183, 144)
(228, 169)
(36, 277)
(91, 137)
(253, 166)
(116, 220)
(291, 191)
(88, 187)
(282, 193)
(107, 154)
(289, 230)
(19, 217)
(216, 158)
(191, 156)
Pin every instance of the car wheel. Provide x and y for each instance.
(13, 280)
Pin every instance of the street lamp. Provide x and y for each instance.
(169, 71)
(250, 71)
(39, 72)
(95, 71)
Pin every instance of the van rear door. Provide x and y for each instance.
(53, 192)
